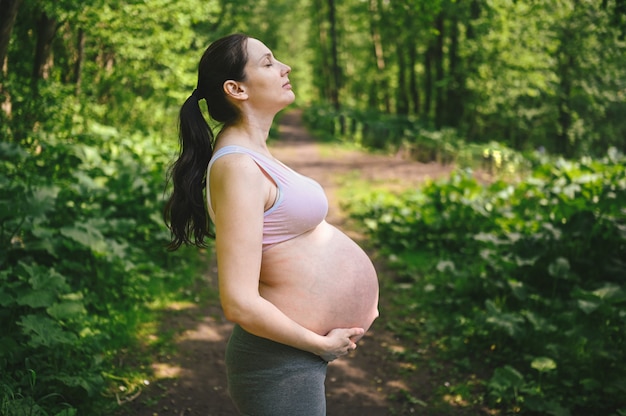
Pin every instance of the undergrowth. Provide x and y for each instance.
(82, 266)
(523, 279)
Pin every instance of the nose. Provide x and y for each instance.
(286, 68)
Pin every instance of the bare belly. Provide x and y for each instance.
(322, 280)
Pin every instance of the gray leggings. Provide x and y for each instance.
(266, 378)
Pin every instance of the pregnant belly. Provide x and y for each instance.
(322, 280)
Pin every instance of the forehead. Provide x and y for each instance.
(256, 49)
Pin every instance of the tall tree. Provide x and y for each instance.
(8, 9)
(334, 58)
(402, 33)
(320, 41)
(8, 14)
(438, 61)
(46, 30)
(402, 99)
(379, 86)
(79, 61)
(565, 70)
(414, 92)
(455, 84)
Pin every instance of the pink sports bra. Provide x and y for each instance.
(300, 206)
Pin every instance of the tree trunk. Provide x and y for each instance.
(428, 80)
(563, 105)
(78, 65)
(334, 58)
(322, 82)
(379, 88)
(475, 11)
(374, 10)
(403, 101)
(413, 88)
(471, 64)
(439, 73)
(8, 14)
(454, 90)
(46, 30)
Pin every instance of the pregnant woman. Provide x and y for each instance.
(300, 292)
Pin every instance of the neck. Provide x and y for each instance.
(250, 131)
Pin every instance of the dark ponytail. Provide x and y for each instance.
(185, 212)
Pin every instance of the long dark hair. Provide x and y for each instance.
(185, 212)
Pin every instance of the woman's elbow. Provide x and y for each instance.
(237, 312)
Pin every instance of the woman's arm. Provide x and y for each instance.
(239, 196)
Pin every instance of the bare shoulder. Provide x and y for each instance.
(237, 185)
(235, 167)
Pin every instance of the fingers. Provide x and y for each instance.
(349, 333)
(353, 335)
(350, 346)
(341, 342)
(356, 332)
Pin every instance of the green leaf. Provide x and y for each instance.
(487, 238)
(36, 298)
(539, 323)
(588, 302)
(44, 286)
(506, 377)
(41, 278)
(41, 200)
(559, 268)
(608, 291)
(511, 323)
(44, 331)
(90, 384)
(518, 289)
(588, 306)
(445, 266)
(86, 235)
(66, 310)
(49, 279)
(543, 364)
(6, 298)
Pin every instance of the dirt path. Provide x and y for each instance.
(191, 380)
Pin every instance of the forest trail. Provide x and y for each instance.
(191, 379)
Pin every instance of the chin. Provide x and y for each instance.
(290, 101)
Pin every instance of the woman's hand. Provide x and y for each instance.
(340, 341)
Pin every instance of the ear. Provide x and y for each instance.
(235, 90)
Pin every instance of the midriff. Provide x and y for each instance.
(321, 279)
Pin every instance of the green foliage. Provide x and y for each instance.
(526, 279)
(90, 93)
(409, 138)
(463, 82)
(82, 259)
(526, 74)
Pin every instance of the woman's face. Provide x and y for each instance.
(267, 83)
